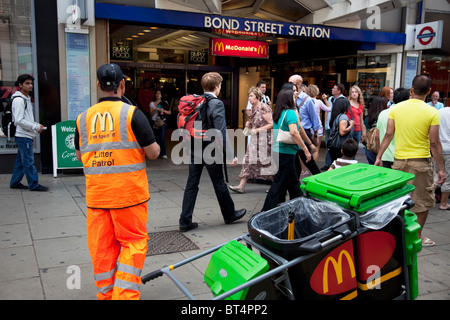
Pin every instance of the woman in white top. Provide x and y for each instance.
(313, 91)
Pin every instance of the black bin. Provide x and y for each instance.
(323, 236)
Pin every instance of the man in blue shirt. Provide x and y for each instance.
(309, 119)
(435, 101)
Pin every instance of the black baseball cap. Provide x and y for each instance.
(109, 75)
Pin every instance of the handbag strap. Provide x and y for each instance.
(284, 117)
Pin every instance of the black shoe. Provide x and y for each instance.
(324, 168)
(193, 225)
(237, 215)
(40, 188)
(19, 186)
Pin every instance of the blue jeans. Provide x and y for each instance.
(160, 135)
(328, 160)
(24, 164)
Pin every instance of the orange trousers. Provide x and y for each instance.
(117, 241)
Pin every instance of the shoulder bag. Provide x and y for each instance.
(335, 140)
(373, 141)
(285, 136)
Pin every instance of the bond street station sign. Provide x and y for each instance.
(239, 48)
(235, 25)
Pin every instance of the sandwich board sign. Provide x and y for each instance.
(63, 146)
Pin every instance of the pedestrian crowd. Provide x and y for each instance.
(398, 129)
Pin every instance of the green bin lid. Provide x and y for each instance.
(233, 265)
(359, 186)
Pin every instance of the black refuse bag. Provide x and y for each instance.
(316, 222)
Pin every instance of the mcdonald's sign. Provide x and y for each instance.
(102, 118)
(336, 273)
(239, 48)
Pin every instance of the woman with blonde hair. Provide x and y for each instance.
(356, 113)
(257, 162)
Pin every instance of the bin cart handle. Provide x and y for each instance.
(408, 204)
(315, 245)
(152, 275)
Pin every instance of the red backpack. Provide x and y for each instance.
(192, 110)
(192, 118)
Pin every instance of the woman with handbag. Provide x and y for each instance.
(341, 128)
(159, 109)
(257, 161)
(286, 143)
(378, 104)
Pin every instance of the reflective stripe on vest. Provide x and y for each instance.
(122, 144)
(113, 161)
(119, 145)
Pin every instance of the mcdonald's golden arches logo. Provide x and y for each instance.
(262, 50)
(219, 46)
(337, 266)
(102, 118)
(336, 273)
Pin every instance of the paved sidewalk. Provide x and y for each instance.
(43, 238)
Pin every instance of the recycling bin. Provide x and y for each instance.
(376, 194)
(233, 265)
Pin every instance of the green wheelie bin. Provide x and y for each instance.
(387, 243)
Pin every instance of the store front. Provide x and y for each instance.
(25, 48)
(172, 50)
(16, 57)
(436, 62)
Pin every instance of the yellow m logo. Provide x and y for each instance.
(337, 265)
(218, 46)
(262, 50)
(102, 118)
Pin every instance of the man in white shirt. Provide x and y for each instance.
(444, 135)
(26, 130)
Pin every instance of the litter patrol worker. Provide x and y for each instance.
(112, 140)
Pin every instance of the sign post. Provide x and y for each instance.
(63, 146)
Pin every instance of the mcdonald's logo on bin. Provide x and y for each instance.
(336, 273)
(102, 118)
(239, 48)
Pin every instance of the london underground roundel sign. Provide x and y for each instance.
(426, 35)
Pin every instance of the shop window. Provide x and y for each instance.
(15, 54)
(438, 67)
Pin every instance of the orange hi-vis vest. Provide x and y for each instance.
(113, 161)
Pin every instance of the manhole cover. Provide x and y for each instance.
(168, 242)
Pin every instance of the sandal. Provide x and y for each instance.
(237, 189)
(427, 242)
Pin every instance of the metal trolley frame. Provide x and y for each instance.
(282, 268)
